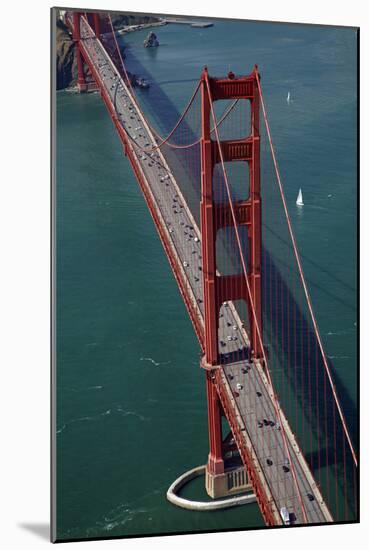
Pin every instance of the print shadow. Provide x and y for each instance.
(42, 530)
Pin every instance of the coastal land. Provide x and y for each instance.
(66, 61)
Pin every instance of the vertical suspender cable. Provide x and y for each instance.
(307, 295)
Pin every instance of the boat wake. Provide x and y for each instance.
(128, 511)
(131, 413)
(108, 524)
(79, 390)
(341, 332)
(117, 409)
(151, 360)
(316, 207)
(65, 426)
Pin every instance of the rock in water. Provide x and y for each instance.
(151, 41)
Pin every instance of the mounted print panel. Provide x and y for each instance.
(204, 276)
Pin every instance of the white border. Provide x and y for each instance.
(24, 220)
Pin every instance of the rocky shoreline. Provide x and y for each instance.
(66, 61)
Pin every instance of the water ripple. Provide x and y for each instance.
(151, 360)
(117, 409)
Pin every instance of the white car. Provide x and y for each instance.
(285, 515)
(239, 386)
(185, 264)
(196, 239)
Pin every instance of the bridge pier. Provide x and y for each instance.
(96, 18)
(233, 481)
(225, 474)
(199, 506)
(224, 477)
(81, 82)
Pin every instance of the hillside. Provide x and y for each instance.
(66, 62)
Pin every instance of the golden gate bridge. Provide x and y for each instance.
(214, 190)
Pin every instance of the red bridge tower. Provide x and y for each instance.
(220, 288)
(94, 21)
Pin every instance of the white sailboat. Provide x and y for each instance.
(288, 97)
(299, 200)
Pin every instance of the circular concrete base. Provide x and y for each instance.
(218, 504)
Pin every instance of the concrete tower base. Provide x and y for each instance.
(82, 87)
(233, 481)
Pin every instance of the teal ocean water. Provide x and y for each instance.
(131, 404)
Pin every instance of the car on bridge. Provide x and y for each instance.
(285, 515)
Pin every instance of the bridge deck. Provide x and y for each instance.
(251, 407)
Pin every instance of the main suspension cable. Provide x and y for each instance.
(165, 140)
